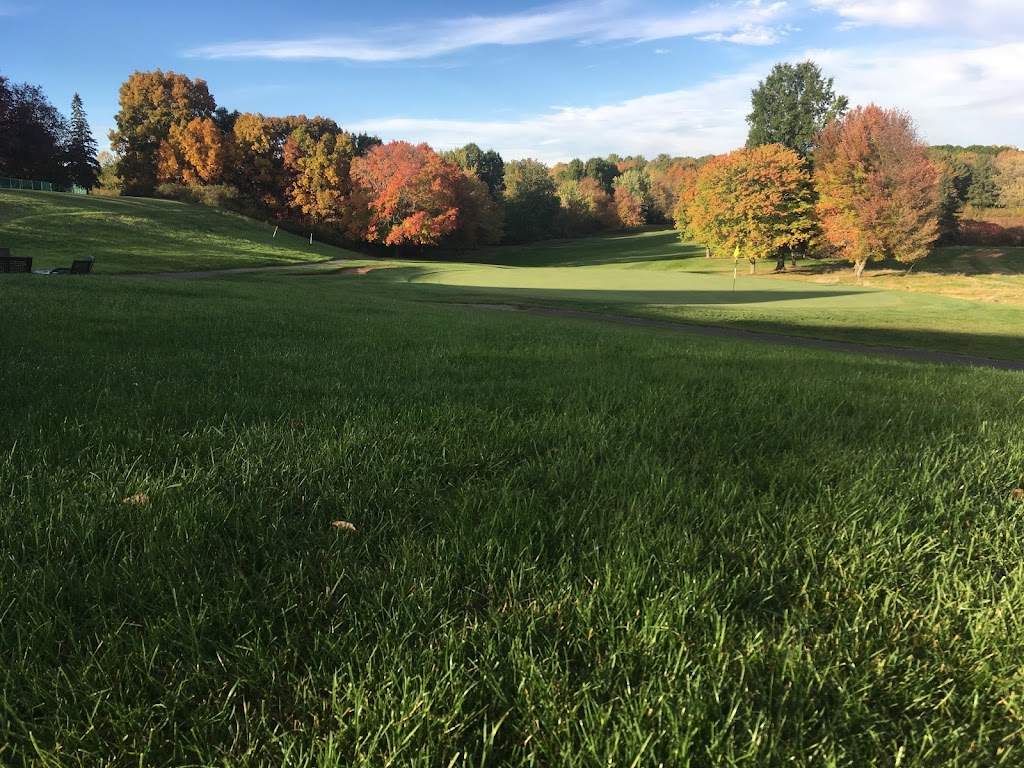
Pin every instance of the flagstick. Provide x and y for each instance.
(735, 264)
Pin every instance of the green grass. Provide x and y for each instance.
(578, 544)
(647, 274)
(131, 235)
(842, 312)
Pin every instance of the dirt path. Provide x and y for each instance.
(774, 338)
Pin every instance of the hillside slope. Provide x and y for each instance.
(131, 234)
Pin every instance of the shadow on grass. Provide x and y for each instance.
(966, 261)
(631, 248)
(597, 297)
(972, 348)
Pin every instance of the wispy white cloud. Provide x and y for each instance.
(956, 96)
(749, 35)
(695, 121)
(748, 22)
(992, 19)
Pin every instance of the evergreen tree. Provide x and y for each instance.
(82, 166)
(984, 191)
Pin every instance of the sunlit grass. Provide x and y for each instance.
(577, 544)
(128, 234)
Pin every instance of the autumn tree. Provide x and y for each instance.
(756, 202)
(151, 104)
(1010, 172)
(257, 160)
(317, 155)
(633, 197)
(574, 219)
(878, 189)
(193, 153)
(791, 106)
(404, 194)
(531, 201)
(585, 208)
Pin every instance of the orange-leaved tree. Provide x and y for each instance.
(878, 191)
(151, 104)
(404, 194)
(317, 156)
(193, 153)
(757, 202)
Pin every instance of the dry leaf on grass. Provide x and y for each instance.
(345, 526)
(139, 499)
(1017, 493)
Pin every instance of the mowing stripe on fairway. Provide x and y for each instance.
(735, 333)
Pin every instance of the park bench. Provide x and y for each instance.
(10, 263)
(78, 267)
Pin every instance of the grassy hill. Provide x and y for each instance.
(129, 234)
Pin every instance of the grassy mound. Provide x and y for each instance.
(128, 234)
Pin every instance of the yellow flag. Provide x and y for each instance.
(736, 253)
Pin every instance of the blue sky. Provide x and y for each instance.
(549, 80)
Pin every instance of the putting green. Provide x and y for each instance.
(632, 286)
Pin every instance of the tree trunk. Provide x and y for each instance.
(753, 266)
(792, 258)
(858, 269)
(780, 262)
(707, 251)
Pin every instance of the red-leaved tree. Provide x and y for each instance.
(404, 193)
(878, 191)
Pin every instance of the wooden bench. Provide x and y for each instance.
(10, 263)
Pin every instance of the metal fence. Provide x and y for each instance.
(40, 186)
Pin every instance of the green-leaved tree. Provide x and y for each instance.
(791, 106)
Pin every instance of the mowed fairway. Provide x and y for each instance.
(653, 275)
(577, 544)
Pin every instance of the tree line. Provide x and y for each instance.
(172, 140)
(39, 143)
(859, 184)
(814, 175)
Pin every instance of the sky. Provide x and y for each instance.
(547, 80)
